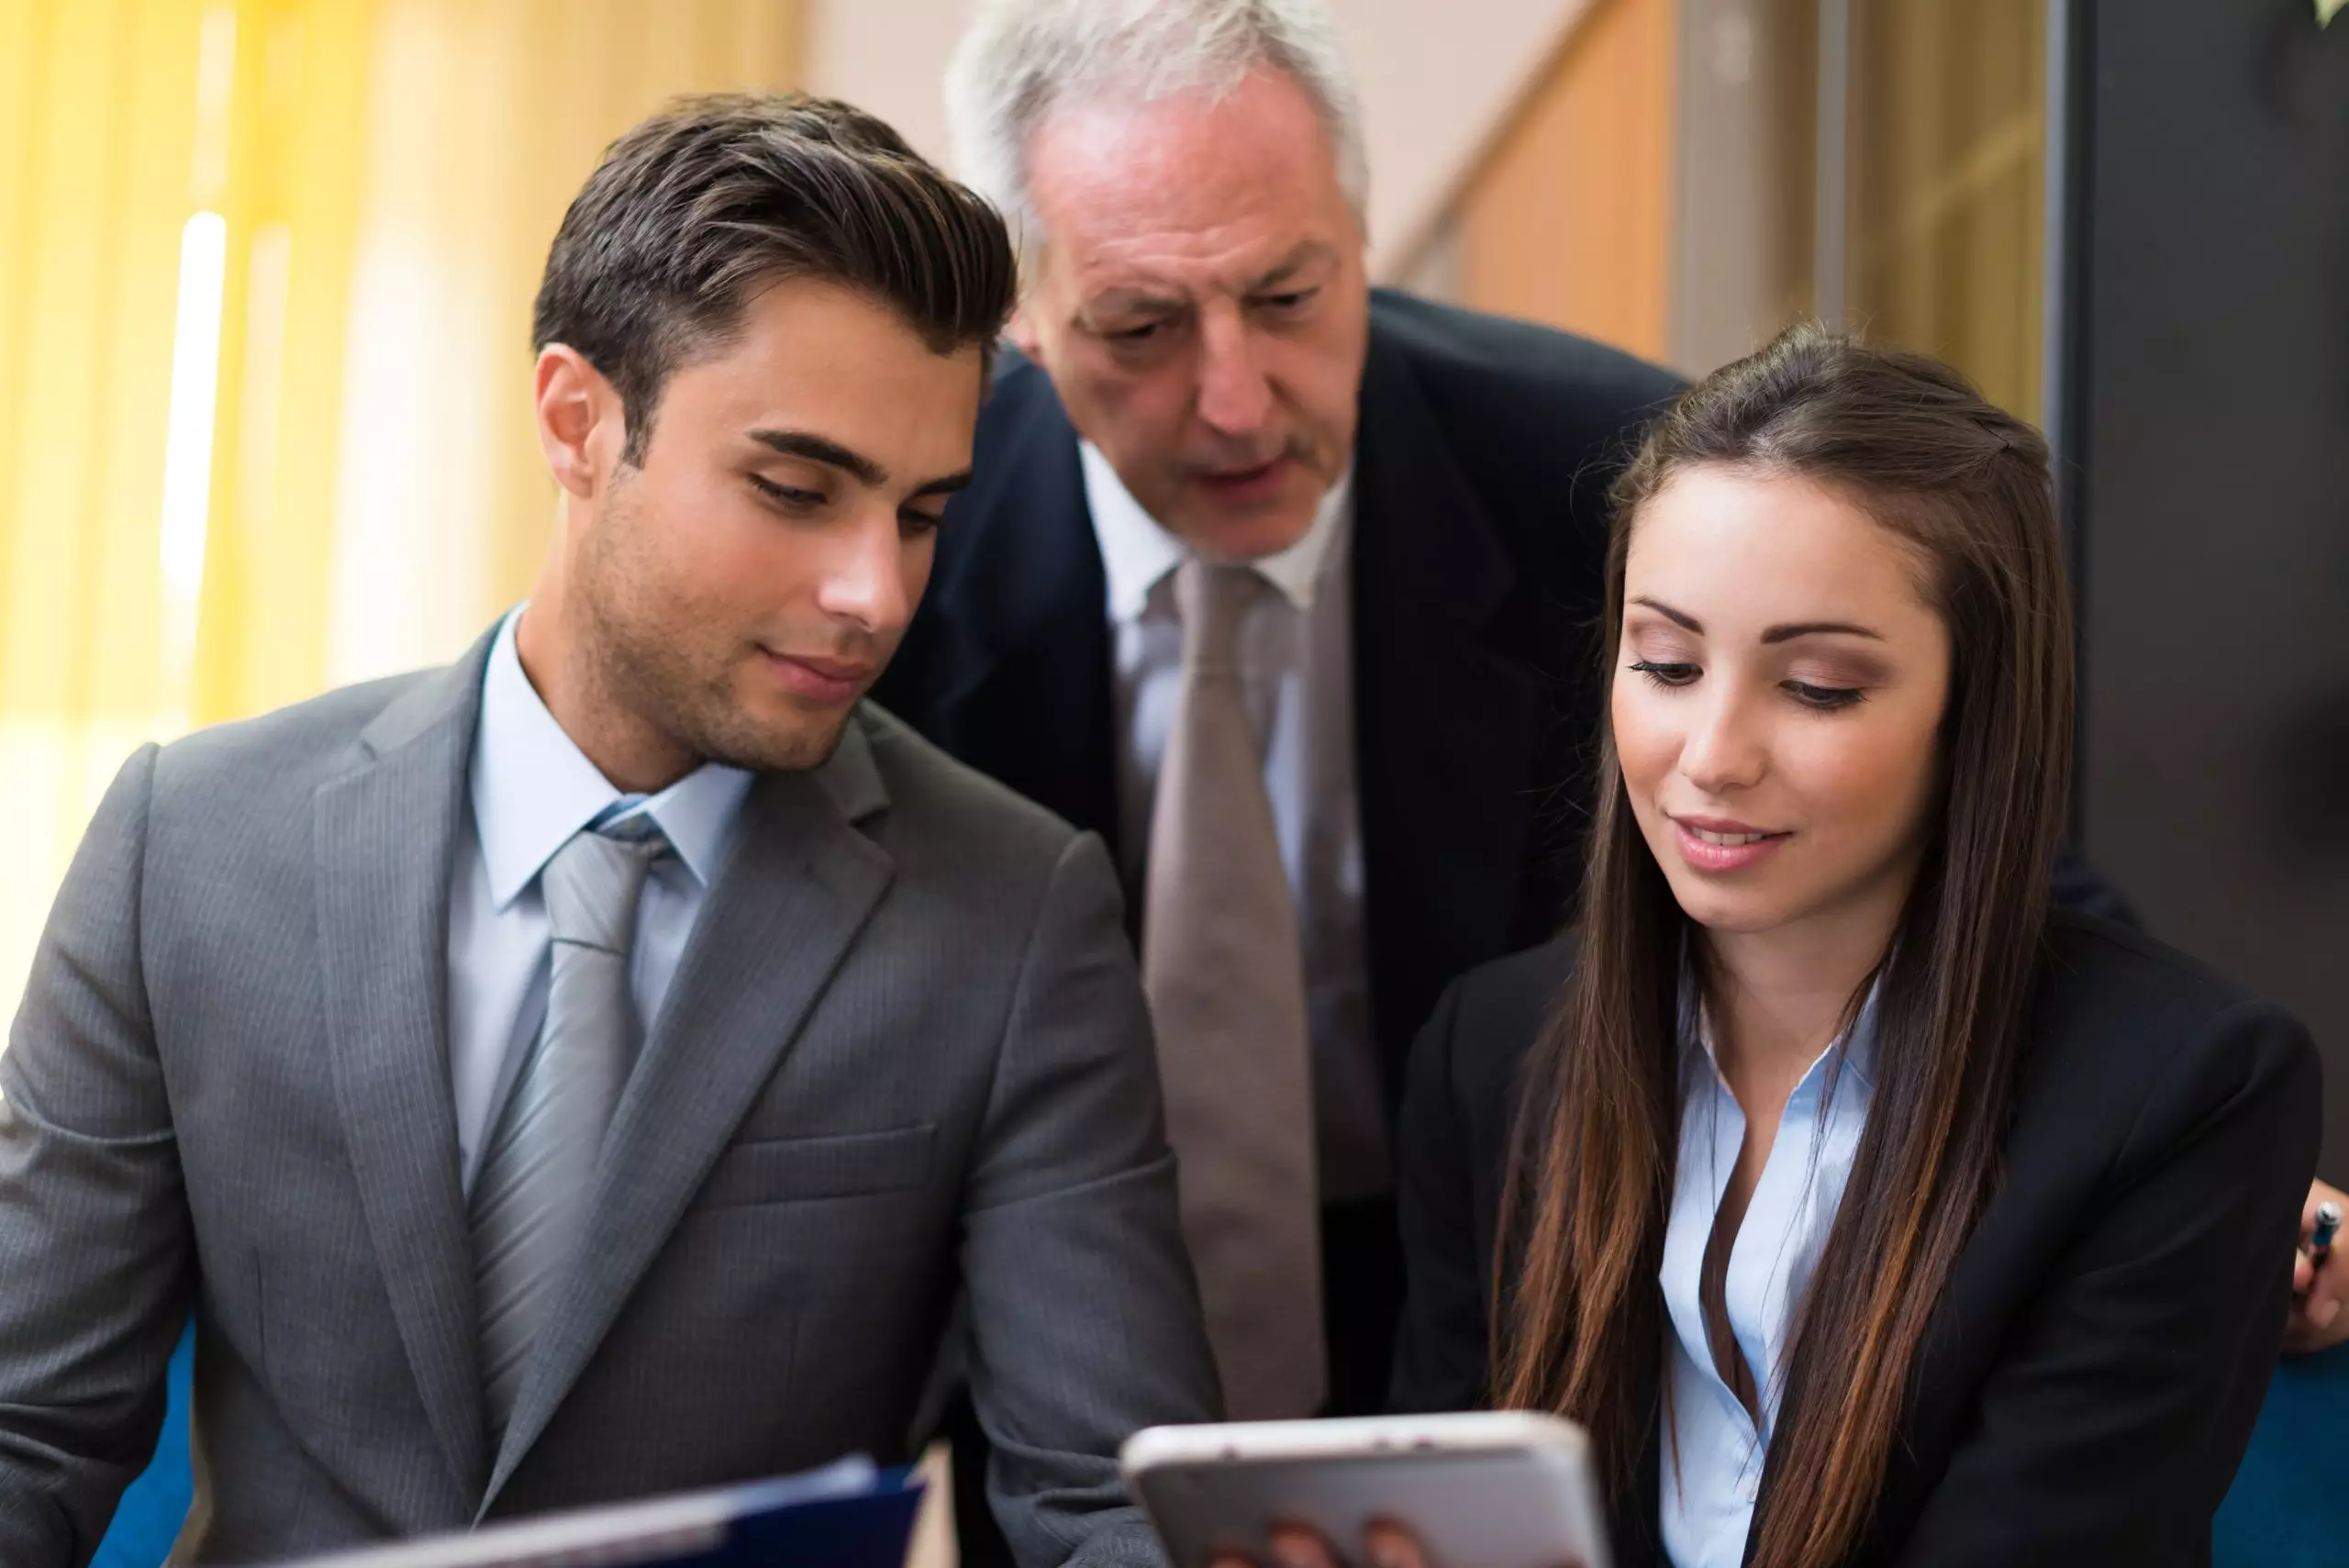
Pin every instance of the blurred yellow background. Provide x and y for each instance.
(265, 279)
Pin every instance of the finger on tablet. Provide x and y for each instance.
(1387, 1543)
(1295, 1546)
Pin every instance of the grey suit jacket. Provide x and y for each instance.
(905, 1052)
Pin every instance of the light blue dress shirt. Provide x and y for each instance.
(532, 789)
(1708, 1498)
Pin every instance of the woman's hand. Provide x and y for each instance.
(2318, 1320)
(1385, 1544)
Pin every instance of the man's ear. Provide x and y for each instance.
(582, 428)
(1022, 330)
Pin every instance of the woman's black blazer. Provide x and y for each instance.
(2094, 1368)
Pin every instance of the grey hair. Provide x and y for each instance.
(1023, 58)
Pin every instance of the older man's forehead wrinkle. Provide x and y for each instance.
(1177, 266)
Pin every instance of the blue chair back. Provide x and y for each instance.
(155, 1505)
(2285, 1510)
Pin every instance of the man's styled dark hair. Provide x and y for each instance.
(720, 195)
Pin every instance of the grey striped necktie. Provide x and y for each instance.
(1225, 970)
(530, 1197)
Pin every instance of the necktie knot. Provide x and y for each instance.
(1213, 598)
(595, 881)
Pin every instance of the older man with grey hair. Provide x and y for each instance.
(1284, 585)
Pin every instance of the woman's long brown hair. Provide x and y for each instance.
(1578, 1319)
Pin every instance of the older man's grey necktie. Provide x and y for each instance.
(1224, 967)
(530, 1197)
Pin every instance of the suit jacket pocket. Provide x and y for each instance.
(779, 1170)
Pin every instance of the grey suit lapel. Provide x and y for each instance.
(386, 835)
(799, 884)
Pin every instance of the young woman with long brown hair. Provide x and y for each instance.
(1862, 1209)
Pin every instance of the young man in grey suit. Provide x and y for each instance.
(592, 1069)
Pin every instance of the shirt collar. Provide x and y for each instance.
(1137, 554)
(533, 788)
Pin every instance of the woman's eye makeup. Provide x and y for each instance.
(1833, 681)
(1825, 699)
(1818, 695)
(1664, 672)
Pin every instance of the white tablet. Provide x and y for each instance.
(1498, 1490)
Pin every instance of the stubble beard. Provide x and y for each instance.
(689, 698)
(664, 663)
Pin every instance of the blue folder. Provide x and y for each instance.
(849, 1515)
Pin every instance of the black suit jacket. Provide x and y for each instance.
(1482, 462)
(2094, 1368)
